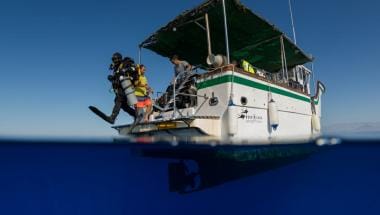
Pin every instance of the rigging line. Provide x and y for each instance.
(292, 20)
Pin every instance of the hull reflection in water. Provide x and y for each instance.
(201, 166)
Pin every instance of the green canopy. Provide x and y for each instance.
(250, 37)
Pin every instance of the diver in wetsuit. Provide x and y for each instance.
(119, 67)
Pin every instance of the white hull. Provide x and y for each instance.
(234, 120)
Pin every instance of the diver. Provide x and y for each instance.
(123, 74)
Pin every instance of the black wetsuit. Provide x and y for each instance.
(121, 103)
(120, 97)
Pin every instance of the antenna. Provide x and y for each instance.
(292, 19)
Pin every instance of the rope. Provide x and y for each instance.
(232, 85)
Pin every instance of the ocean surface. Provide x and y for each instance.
(121, 177)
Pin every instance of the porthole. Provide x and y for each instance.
(213, 101)
(243, 100)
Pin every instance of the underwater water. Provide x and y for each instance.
(106, 177)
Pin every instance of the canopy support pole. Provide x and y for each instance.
(208, 36)
(228, 51)
(139, 54)
(201, 26)
(283, 61)
(226, 32)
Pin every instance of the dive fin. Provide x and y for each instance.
(101, 114)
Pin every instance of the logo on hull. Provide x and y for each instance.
(245, 115)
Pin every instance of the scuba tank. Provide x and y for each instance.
(129, 90)
(127, 74)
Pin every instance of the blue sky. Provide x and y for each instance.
(54, 57)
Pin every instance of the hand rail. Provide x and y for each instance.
(174, 93)
(192, 95)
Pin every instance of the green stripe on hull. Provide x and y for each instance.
(249, 83)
